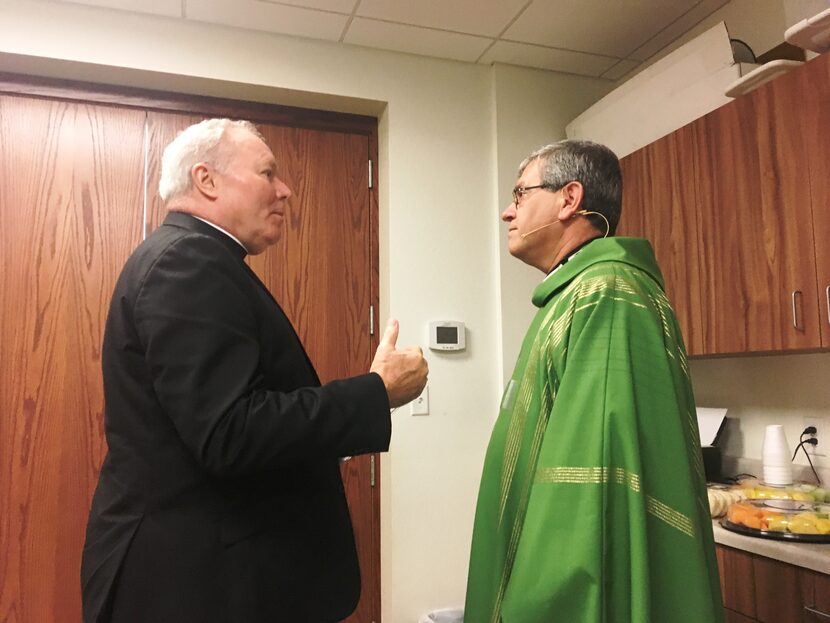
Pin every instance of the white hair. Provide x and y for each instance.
(201, 142)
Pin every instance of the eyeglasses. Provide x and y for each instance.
(520, 191)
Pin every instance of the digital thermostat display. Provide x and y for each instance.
(446, 335)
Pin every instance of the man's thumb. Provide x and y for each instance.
(390, 336)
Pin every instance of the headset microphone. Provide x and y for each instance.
(533, 231)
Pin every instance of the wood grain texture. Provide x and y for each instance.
(730, 616)
(321, 272)
(820, 597)
(71, 184)
(778, 590)
(814, 83)
(660, 204)
(162, 128)
(737, 580)
(757, 239)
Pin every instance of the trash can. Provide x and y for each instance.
(447, 615)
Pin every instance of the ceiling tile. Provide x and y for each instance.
(425, 41)
(276, 18)
(337, 6)
(477, 17)
(591, 26)
(620, 69)
(677, 29)
(548, 58)
(170, 8)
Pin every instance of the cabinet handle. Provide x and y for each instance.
(795, 311)
(817, 612)
(827, 297)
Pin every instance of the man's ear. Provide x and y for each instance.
(572, 193)
(204, 179)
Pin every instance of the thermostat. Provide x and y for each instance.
(446, 335)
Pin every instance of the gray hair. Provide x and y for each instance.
(594, 166)
(201, 142)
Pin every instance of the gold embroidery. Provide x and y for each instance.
(672, 517)
(616, 475)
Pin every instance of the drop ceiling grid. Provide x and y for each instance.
(586, 37)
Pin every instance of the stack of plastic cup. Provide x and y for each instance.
(776, 458)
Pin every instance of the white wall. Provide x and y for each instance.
(766, 390)
(532, 109)
(449, 133)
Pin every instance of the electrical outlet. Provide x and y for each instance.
(822, 434)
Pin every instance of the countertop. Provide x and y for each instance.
(815, 556)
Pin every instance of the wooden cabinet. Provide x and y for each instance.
(758, 263)
(759, 589)
(736, 206)
(814, 86)
(660, 203)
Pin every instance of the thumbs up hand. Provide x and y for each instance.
(404, 372)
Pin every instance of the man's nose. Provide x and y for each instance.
(283, 191)
(509, 212)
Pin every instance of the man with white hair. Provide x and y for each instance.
(220, 498)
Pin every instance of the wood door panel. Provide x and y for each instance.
(319, 269)
(814, 83)
(161, 129)
(757, 231)
(71, 185)
(320, 272)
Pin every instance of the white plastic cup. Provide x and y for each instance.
(776, 457)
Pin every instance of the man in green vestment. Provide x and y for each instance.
(592, 507)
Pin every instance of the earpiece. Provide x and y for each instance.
(602, 216)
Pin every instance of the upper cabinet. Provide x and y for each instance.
(736, 207)
(814, 85)
(660, 204)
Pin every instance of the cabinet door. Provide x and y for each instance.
(660, 204)
(737, 580)
(781, 590)
(814, 83)
(759, 268)
(71, 191)
(730, 616)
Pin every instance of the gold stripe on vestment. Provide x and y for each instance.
(620, 476)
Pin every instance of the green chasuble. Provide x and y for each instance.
(593, 507)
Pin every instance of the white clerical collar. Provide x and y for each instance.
(228, 234)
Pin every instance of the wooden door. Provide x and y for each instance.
(660, 204)
(321, 273)
(814, 84)
(757, 237)
(71, 191)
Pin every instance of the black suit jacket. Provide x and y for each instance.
(220, 498)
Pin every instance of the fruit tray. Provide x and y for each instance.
(785, 520)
